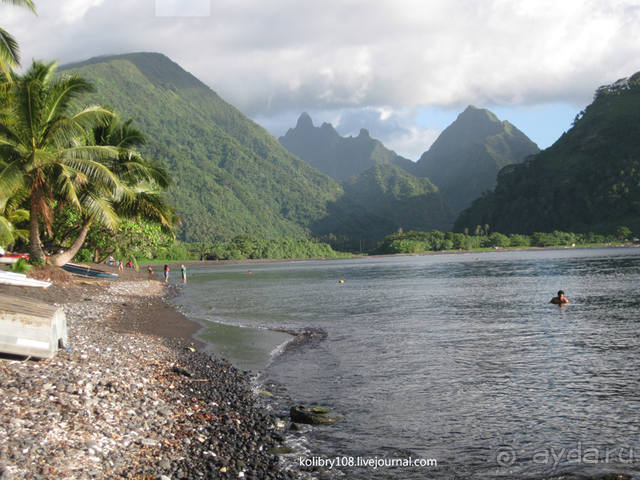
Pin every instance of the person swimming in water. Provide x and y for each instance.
(560, 299)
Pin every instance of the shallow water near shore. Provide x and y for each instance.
(458, 358)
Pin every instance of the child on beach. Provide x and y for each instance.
(166, 274)
(183, 270)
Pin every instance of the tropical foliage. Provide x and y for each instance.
(251, 247)
(379, 201)
(418, 242)
(9, 50)
(229, 176)
(56, 155)
(589, 180)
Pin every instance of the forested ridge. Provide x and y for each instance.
(588, 180)
(229, 176)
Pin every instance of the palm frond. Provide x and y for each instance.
(7, 230)
(67, 183)
(92, 116)
(23, 3)
(84, 160)
(63, 92)
(11, 179)
(100, 210)
(9, 52)
(7, 135)
(126, 136)
(41, 158)
(12, 203)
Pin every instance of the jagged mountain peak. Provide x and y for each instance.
(337, 156)
(304, 121)
(466, 157)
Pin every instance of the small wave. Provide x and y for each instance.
(302, 338)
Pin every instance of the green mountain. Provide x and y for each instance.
(588, 180)
(466, 157)
(229, 175)
(382, 200)
(339, 157)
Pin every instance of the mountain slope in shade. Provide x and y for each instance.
(588, 180)
(465, 159)
(382, 200)
(229, 175)
(339, 157)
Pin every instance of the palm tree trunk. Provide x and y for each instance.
(62, 258)
(36, 253)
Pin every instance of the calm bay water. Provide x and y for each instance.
(458, 358)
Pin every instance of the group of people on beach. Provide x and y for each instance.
(183, 272)
(119, 263)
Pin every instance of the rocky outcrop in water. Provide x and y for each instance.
(313, 415)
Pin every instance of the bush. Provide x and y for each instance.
(498, 240)
(623, 233)
(517, 240)
(84, 256)
(21, 266)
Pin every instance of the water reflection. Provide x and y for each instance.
(453, 357)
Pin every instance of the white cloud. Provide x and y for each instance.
(183, 8)
(269, 57)
(74, 10)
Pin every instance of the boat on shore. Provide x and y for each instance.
(87, 271)
(21, 280)
(11, 258)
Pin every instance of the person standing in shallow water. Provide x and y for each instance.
(560, 299)
(166, 274)
(183, 270)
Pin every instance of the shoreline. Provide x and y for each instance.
(134, 398)
(203, 263)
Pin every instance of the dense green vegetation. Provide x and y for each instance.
(67, 167)
(465, 159)
(380, 195)
(339, 157)
(418, 242)
(56, 156)
(229, 176)
(381, 200)
(588, 180)
(251, 247)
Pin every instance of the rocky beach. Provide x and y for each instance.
(132, 398)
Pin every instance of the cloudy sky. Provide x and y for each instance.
(403, 69)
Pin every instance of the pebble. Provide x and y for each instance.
(125, 405)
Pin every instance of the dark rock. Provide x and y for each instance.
(312, 415)
(181, 371)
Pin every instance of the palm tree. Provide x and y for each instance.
(137, 193)
(44, 149)
(9, 51)
(10, 215)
